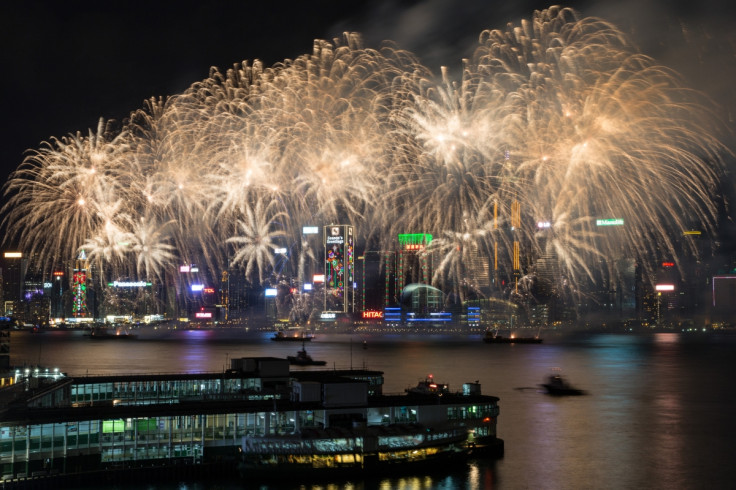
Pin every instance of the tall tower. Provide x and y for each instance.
(79, 286)
(339, 269)
(13, 275)
(412, 265)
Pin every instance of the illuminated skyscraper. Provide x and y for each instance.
(79, 287)
(14, 268)
(413, 267)
(339, 269)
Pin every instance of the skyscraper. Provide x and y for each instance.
(14, 268)
(339, 269)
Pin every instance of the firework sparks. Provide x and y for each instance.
(559, 114)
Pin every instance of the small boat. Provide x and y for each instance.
(492, 337)
(429, 387)
(303, 359)
(112, 334)
(280, 336)
(557, 385)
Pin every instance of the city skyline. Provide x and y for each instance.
(371, 151)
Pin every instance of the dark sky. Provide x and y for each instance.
(68, 63)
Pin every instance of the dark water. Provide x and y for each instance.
(660, 410)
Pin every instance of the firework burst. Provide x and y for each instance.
(559, 115)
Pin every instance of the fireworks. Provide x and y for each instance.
(559, 114)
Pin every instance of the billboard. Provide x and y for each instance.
(339, 268)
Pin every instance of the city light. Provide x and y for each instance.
(240, 179)
(609, 222)
(129, 284)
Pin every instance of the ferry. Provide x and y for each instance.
(256, 418)
(113, 333)
(387, 433)
(280, 336)
(492, 337)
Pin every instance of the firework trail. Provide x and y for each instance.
(559, 114)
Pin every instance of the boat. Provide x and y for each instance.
(492, 337)
(428, 386)
(303, 359)
(99, 333)
(557, 385)
(381, 439)
(280, 336)
(258, 418)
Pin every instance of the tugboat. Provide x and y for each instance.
(280, 336)
(303, 359)
(429, 387)
(556, 385)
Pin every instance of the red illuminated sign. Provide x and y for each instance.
(413, 246)
(209, 290)
(58, 274)
(668, 264)
(372, 314)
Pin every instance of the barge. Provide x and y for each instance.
(256, 418)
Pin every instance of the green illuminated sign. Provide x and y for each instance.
(414, 239)
(610, 222)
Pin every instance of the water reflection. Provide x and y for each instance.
(658, 413)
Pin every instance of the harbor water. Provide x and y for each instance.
(659, 410)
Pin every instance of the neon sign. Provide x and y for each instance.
(372, 314)
(413, 246)
(128, 284)
(610, 222)
(203, 314)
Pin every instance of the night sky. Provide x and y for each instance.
(66, 64)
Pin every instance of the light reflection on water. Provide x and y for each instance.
(658, 413)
